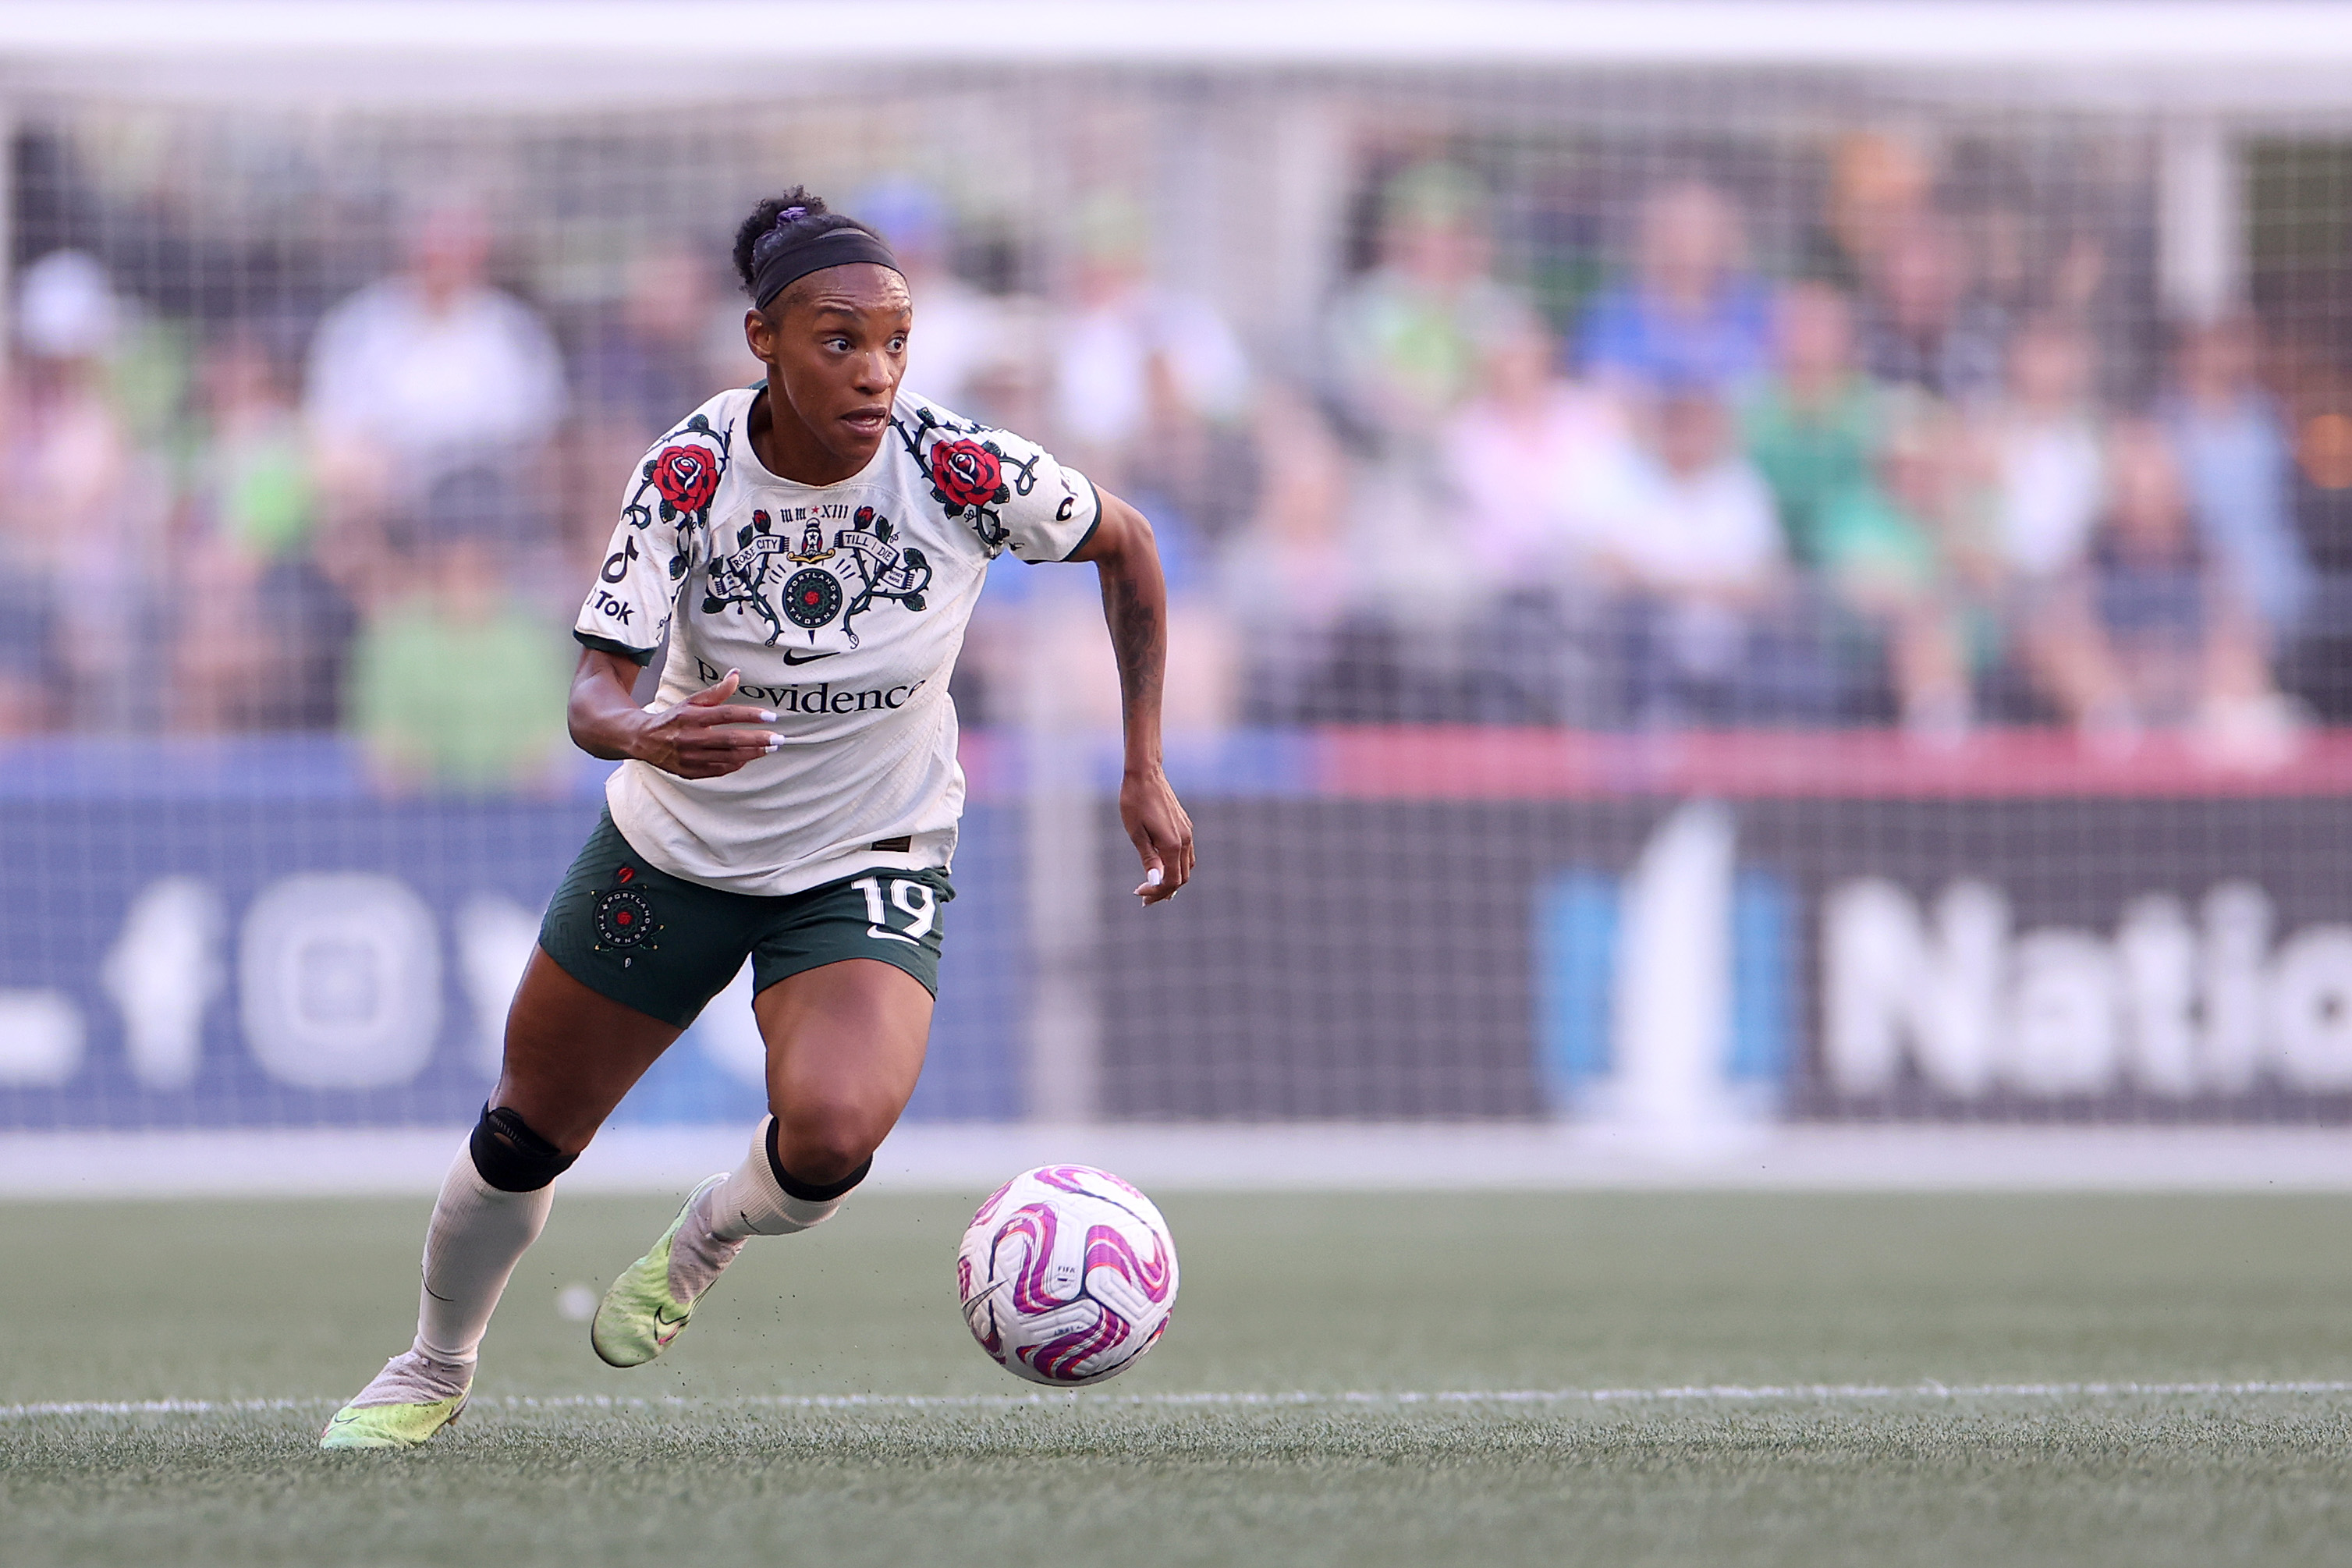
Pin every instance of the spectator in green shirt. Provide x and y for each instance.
(261, 629)
(1811, 429)
(459, 686)
(1903, 549)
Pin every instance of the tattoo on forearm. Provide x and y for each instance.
(1138, 639)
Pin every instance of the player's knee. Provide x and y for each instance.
(826, 1144)
(511, 1156)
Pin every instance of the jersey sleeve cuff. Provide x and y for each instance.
(637, 656)
(1088, 537)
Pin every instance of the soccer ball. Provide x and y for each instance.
(1066, 1275)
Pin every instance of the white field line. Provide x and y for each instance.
(1824, 1392)
(1272, 1157)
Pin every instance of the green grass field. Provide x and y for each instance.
(705, 1457)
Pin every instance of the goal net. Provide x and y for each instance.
(1805, 589)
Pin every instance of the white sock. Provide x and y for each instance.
(698, 1255)
(478, 1235)
(750, 1202)
(412, 1377)
(753, 1202)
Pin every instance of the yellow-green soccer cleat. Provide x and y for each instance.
(389, 1425)
(411, 1399)
(641, 1314)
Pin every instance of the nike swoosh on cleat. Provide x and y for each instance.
(793, 655)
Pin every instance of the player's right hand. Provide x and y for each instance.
(705, 736)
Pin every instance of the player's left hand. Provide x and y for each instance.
(1162, 833)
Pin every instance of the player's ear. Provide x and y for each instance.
(759, 333)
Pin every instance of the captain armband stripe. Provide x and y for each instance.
(638, 656)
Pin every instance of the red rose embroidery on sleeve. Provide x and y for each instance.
(966, 473)
(685, 476)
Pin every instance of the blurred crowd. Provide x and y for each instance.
(1900, 486)
(1882, 491)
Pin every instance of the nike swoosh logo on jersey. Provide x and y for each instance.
(793, 655)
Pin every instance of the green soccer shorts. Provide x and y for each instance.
(665, 946)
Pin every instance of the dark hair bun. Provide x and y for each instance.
(794, 212)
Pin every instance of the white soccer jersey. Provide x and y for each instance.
(844, 607)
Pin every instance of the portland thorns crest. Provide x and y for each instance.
(624, 916)
(866, 563)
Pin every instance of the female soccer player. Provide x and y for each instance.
(812, 548)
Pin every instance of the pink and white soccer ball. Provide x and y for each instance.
(1066, 1275)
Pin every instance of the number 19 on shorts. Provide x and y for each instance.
(914, 899)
